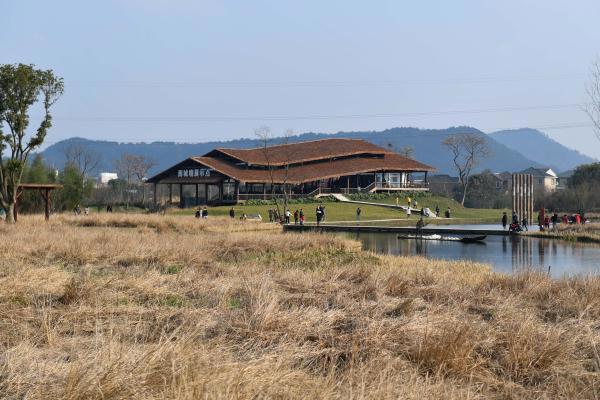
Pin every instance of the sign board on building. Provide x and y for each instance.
(194, 172)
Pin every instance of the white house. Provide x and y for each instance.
(544, 179)
(106, 177)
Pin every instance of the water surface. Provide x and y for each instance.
(505, 253)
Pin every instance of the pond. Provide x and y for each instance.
(505, 253)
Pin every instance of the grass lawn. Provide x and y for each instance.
(336, 211)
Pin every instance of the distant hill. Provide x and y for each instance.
(537, 146)
(427, 145)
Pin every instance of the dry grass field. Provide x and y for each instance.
(589, 233)
(151, 307)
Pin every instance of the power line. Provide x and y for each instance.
(306, 117)
(456, 80)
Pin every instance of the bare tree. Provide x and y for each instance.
(133, 169)
(467, 150)
(405, 151)
(85, 159)
(592, 108)
(278, 172)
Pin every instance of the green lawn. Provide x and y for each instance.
(336, 211)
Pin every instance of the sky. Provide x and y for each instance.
(190, 71)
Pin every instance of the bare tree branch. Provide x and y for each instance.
(467, 150)
(592, 108)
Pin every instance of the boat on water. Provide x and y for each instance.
(463, 239)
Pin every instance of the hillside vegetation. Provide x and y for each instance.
(150, 307)
(427, 145)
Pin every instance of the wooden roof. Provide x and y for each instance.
(294, 153)
(306, 161)
(315, 171)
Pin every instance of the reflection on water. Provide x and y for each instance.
(504, 253)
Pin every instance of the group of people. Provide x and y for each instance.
(77, 210)
(545, 221)
(202, 213)
(515, 224)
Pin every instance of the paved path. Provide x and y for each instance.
(343, 199)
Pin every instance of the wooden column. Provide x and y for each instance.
(46, 196)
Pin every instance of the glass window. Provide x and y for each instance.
(201, 193)
(228, 190)
(214, 193)
(175, 193)
(188, 196)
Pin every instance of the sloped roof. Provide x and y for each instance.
(294, 153)
(314, 171)
(539, 172)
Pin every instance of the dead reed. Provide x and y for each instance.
(121, 307)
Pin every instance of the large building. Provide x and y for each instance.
(302, 169)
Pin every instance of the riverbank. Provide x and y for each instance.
(588, 233)
(137, 306)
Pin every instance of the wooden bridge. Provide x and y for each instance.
(393, 229)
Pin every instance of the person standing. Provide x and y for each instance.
(232, 213)
(301, 213)
(287, 216)
(358, 211)
(296, 217)
(408, 201)
(270, 215)
(504, 220)
(407, 212)
(437, 210)
(319, 215)
(397, 201)
(205, 213)
(554, 221)
(420, 225)
(524, 223)
(322, 213)
(448, 213)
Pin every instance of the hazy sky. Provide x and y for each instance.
(184, 70)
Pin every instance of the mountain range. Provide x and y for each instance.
(538, 147)
(509, 150)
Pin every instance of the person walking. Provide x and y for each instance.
(322, 213)
(408, 201)
(358, 211)
(437, 210)
(301, 213)
(232, 213)
(407, 212)
(270, 215)
(397, 201)
(296, 217)
(504, 220)
(554, 221)
(319, 215)
(448, 213)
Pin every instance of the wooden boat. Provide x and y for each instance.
(463, 239)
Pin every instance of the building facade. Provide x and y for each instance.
(544, 179)
(302, 169)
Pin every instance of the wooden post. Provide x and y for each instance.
(46, 196)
